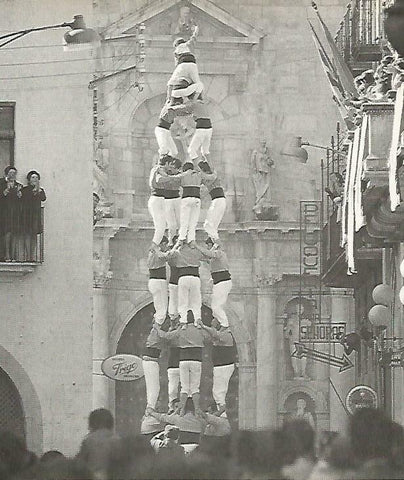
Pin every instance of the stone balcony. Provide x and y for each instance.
(382, 223)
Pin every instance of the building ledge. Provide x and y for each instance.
(10, 271)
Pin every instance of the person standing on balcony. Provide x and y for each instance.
(32, 197)
(10, 198)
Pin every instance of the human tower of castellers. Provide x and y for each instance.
(175, 204)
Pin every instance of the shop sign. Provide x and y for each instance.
(359, 397)
(123, 367)
(322, 332)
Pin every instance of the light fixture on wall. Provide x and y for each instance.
(79, 34)
(295, 149)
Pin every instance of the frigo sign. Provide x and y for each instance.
(310, 237)
(123, 367)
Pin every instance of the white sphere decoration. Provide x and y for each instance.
(379, 315)
(402, 295)
(383, 294)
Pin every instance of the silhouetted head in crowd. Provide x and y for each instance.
(371, 434)
(261, 453)
(338, 454)
(301, 437)
(14, 456)
(324, 442)
(132, 457)
(100, 419)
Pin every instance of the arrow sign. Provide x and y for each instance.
(302, 351)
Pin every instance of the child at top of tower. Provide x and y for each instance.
(185, 64)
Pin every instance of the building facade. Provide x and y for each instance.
(45, 352)
(258, 64)
(364, 246)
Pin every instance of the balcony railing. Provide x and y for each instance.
(24, 246)
(361, 33)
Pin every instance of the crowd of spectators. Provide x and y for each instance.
(371, 448)
(20, 216)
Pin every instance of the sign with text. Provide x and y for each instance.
(321, 332)
(123, 367)
(310, 237)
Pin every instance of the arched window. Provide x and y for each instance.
(11, 411)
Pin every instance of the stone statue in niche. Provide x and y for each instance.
(303, 413)
(185, 24)
(261, 164)
(291, 332)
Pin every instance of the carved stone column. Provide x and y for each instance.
(342, 310)
(267, 359)
(103, 232)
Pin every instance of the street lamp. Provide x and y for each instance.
(78, 35)
(295, 149)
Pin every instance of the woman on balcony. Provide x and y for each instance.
(10, 195)
(32, 197)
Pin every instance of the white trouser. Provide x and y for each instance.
(221, 378)
(220, 292)
(200, 141)
(151, 371)
(173, 214)
(173, 383)
(214, 216)
(158, 289)
(190, 376)
(156, 206)
(165, 142)
(173, 300)
(189, 297)
(189, 216)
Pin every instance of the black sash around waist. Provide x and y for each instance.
(191, 192)
(191, 353)
(174, 357)
(222, 276)
(217, 192)
(189, 437)
(203, 123)
(188, 272)
(157, 273)
(152, 352)
(222, 355)
(174, 275)
(169, 194)
(186, 58)
(164, 124)
(158, 192)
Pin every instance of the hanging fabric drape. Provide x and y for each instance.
(351, 205)
(360, 219)
(398, 125)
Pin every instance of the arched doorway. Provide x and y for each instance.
(130, 397)
(11, 411)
